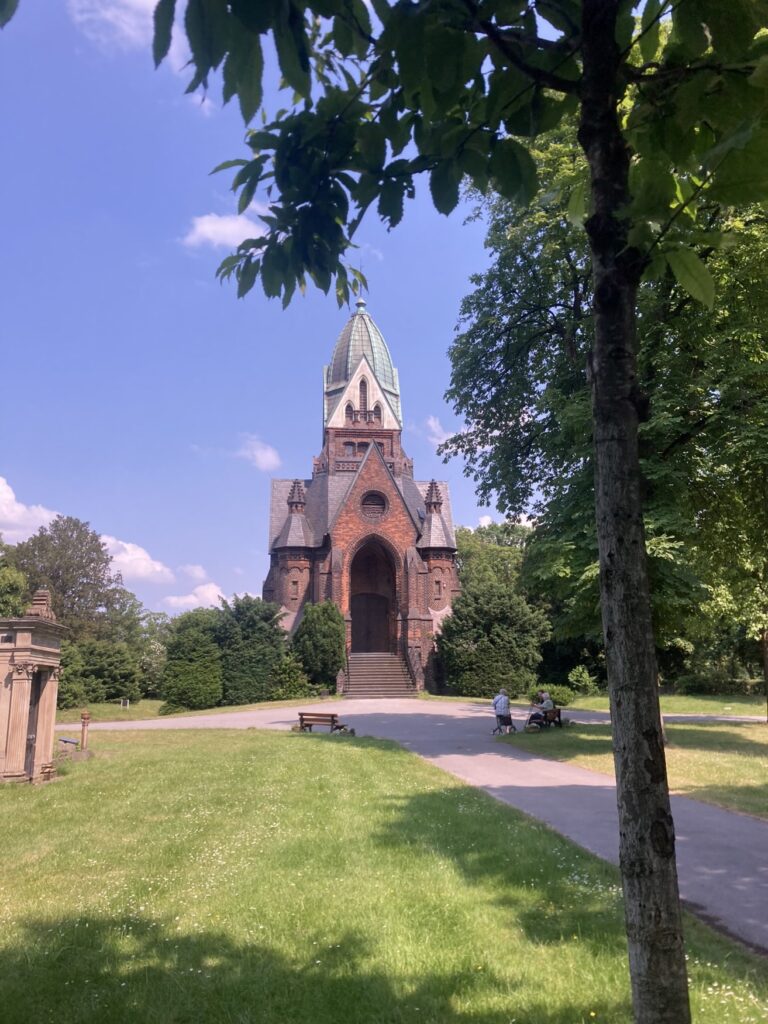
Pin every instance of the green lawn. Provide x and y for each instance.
(244, 877)
(143, 709)
(689, 704)
(724, 764)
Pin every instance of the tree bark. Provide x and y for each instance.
(764, 645)
(646, 833)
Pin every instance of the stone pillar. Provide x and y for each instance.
(6, 688)
(46, 718)
(16, 749)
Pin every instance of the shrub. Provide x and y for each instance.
(561, 695)
(253, 644)
(192, 674)
(291, 680)
(320, 643)
(492, 638)
(582, 682)
(94, 671)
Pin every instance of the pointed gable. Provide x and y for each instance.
(375, 395)
(374, 504)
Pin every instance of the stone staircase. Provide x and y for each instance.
(378, 675)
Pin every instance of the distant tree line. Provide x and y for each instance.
(235, 654)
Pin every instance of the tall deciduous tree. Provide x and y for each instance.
(450, 88)
(71, 560)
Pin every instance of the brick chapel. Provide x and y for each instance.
(362, 532)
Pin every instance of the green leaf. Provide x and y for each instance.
(650, 27)
(246, 277)
(577, 204)
(7, 11)
(391, 202)
(247, 71)
(514, 171)
(293, 50)
(163, 19)
(759, 77)
(692, 275)
(371, 144)
(227, 164)
(688, 28)
(444, 182)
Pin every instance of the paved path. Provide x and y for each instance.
(722, 856)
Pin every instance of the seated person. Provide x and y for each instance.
(543, 704)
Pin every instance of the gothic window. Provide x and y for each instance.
(377, 412)
(349, 412)
(349, 447)
(363, 397)
(438, 588)
(361, 448)
(294, 589)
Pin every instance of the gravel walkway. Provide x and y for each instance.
(722, 855)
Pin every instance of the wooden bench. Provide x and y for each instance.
(309, 718)
(552, 717)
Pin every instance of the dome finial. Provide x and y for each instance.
(360, 303)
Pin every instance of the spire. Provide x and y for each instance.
(433, 499)
(296, 498)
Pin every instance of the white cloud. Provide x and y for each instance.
(221, 231)
(123, 23)
(204, 596)
(436, 432)
(195, 572)
(485, 521)
(17, 520)
(135, 563)
(262, 456)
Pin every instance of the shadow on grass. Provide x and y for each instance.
(130, 969)
(538, 879)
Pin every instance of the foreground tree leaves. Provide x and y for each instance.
(669, 111)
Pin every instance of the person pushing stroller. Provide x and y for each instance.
(503, 714)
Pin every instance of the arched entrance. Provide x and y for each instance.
(372, 600)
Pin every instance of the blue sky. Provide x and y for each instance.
(138, 393)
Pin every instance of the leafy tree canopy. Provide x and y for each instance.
(71, 560)
(458, 89)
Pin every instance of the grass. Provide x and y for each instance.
(146, 708)
(263, 878)
(720, 763)
(689, 704)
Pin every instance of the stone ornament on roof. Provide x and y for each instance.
(433, 499)
(297, 499)
(41, 606)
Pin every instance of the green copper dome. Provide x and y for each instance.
(361, 337)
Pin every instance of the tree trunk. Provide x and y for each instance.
(646, 832)
(764, 639)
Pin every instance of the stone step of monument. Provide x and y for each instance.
(378, 674)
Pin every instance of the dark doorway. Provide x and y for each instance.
(34, 704)
(372, 585)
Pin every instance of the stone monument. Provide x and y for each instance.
(30, 655)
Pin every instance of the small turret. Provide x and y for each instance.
(433, 500)
(297, 500)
